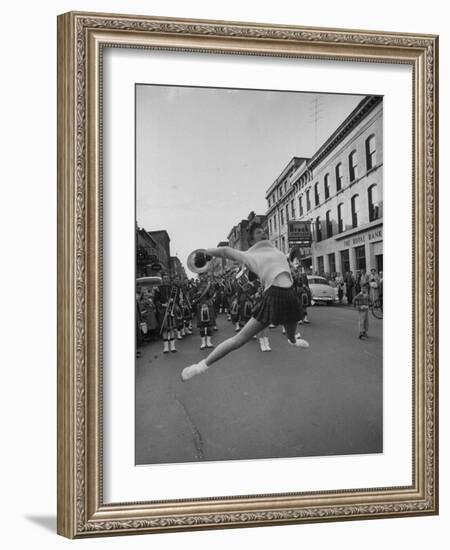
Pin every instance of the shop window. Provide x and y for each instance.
(360, 257)
(320, 265)
(345, 261)
(332, 263)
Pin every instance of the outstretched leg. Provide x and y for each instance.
(247, 332)
(294, 339)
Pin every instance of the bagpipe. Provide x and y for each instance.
(170, 307)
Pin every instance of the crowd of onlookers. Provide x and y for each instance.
(350, 284)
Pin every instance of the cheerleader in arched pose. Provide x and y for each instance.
(279, 305)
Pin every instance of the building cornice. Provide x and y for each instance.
(361, 110)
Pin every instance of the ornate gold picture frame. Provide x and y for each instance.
(82, 38)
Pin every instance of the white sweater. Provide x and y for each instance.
(262, 258)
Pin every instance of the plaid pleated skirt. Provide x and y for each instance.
(278, 306)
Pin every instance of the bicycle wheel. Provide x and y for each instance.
(377, 310)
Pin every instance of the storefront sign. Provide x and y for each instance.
(370, 236)
(299, 232)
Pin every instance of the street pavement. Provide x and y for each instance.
(290, 402)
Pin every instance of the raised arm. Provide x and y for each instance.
(228, 252)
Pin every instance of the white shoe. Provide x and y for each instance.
(272, 325)
(209, 344)
(299, 342)
(262, 344)
(266, 339)
(166, 347)
(172, 346)
(284, 331)
(191, 371)
(203, 344)
(237, 329)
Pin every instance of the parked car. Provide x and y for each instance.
(321, 290)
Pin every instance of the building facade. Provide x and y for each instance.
(339, 193)
(238, 237)
(282, 207)
(176, 268)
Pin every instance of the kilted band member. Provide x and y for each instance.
(165, 298)
(187, 312)
(279, 304)
(204, 301)
(227, 295)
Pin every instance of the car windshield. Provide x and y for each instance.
(318, 281)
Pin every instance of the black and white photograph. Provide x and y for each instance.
(259, 274)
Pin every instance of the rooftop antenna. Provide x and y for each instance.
(315, 115)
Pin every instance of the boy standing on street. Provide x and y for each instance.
(362, 302)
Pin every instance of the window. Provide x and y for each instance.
(320, 264)
(316, 194)
(326, 186)
(308, 201)
(300, 205)
(283, 244)
(270, 226)
(287, 213)
(293, 208)
(318, 229)
(360, 257)
(329, 225)
(352, 166)
(345, 261)
(331, 263)
(275, 223)
(355, 210)
(370, 152)
(340, 217)
(285, 187)
(374, 205)
(339, 179)
(281, 218)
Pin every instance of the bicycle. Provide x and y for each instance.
(376, 308)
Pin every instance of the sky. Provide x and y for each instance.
(205, 157)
